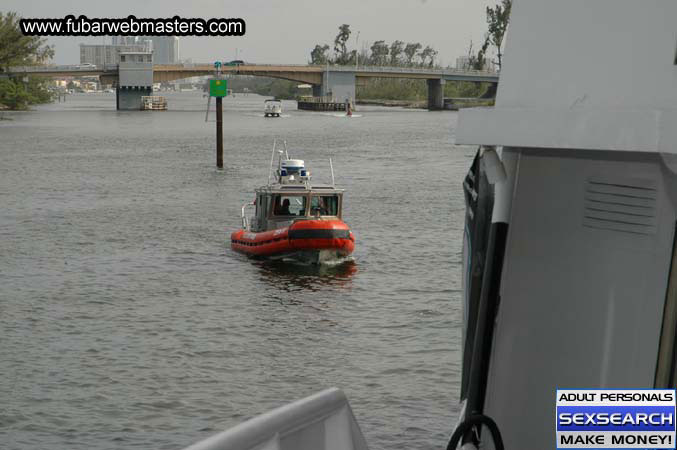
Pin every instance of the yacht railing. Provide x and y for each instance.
(323, 421)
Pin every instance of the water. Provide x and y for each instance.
(127, 322)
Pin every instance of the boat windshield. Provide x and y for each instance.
(289, 205)
(325, 205)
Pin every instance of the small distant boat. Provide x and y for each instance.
(272, 108)
(295, 219)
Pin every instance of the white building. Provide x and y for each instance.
(165, 48)
(463, 63)
(101, 54)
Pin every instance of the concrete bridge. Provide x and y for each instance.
(338, 82)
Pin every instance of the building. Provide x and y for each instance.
(463, 63)
(101, 54)
(124, 40)
(165, 48)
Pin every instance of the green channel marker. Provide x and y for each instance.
(218, 88)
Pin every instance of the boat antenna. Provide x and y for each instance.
(331, 166)
(272, 158)
(285, 149)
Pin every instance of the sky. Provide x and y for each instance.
(283, 31)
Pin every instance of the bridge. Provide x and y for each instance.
(336, 81)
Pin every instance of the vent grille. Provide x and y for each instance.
(627, 205)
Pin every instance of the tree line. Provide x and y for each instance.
(413, 54)
(380, 53)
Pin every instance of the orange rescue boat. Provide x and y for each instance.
(294, 219)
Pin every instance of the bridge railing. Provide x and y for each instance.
(203, 67)
(421, 70)
(334, 68)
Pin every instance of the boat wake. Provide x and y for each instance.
(344, 115)
(330, 263)
(263, 115)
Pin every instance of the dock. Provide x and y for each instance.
(153, 103)
(320, 104)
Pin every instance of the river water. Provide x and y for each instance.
(127, 322)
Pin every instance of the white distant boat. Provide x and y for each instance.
(272, 108)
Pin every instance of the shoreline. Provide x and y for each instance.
(423, 104)
(410, 104)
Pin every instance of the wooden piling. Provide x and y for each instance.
(219, 132)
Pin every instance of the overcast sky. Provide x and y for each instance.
(283, 31)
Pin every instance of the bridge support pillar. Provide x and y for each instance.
(129, 97)
(136, 79)
(317, 90)
(435, 94)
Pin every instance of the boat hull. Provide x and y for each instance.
(308, 241)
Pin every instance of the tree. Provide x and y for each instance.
(427, 56)
(319, 54)
(396, 49)
(411, 50)
(13, 94)
(379, 53)
(340, 47)
(477, 61)
(17, 49)
(481, 59)
(498, 18)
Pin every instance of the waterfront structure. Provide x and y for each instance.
(135, 79)
(154, 103)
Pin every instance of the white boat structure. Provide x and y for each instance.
(272, 108)
(321, 421)
(570, 246)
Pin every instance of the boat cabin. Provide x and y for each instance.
(279, 206)
(293, 198)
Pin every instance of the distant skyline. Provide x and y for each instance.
(284, 31)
